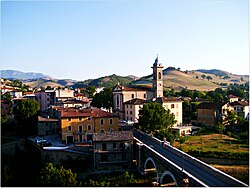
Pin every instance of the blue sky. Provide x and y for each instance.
(89, 39)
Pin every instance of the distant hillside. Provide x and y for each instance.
(14, 74)
(106, 81)
(214, 71)
(179, 80)
(173, 78)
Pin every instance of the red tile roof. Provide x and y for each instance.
(135, 101)
(165, 99)
(210, 105)
(86, 112)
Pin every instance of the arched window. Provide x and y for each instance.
(89, 127)
(159, 75)
(117, 100)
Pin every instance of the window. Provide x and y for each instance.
(104, 146)
(111, 121)
(159, 75)
(172, 105)
(177, 114)
(101, 121)
(89, 118)
(127, 112)
(80, 128)
(69, 128)
(144, 95)
(133, 96)
(69, 119)
(130, 112)
(127, 106)
(89, 127)
(176, 105)
(101, 131)
(117, 100)
(114, 145)
(130, 106)
(80, 118)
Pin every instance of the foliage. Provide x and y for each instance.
(107, 81)
(4, 118)
(52, 176)
(115, 181)
(6, 96)
(26, 112)
(103, 99)
(203, 76)
(153, 117)
(209, 78)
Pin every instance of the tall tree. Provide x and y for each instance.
(209, 78)
(103, 99)
(52, 176)
(153, 118)
(203, 76)
(26, 112)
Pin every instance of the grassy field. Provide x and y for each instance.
(216, 144)
(239, 172)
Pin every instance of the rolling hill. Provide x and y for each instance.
(173, 78)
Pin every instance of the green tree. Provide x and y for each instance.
(209, 78)
(203, 76)
(52, 176)
(153, 118)
(90, 91)
(103, 99)
(26, 112)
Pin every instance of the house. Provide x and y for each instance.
(132, 108)
(78, 124)
(45, 98)
(174, 105)
(76, 103)
(48, 126)
(211, 113)
(63, 94)
(233, 98)
(241, 108)
(113, 150)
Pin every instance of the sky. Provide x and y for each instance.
(89, 39)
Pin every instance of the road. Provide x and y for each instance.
(208, 178)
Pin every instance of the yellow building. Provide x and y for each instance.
(78, 125)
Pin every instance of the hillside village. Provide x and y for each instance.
(72, 121)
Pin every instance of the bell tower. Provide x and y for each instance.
(157, 78)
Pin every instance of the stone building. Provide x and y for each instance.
(113, 150)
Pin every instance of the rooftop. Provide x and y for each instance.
(135, 101)
(165, 99)
(42, 119)
(210, 105)
(241, 103)
(113, 136)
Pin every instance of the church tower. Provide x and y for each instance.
(157, 79)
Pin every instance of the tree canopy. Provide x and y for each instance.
(153, 118)
(52, 176)
(26, 112)
(103, 99)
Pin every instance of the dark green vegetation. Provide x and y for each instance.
(57, 177)
(103, 99)
(154, 119)
(106, 81)
(26, 112)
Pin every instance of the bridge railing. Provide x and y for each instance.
(196, 161)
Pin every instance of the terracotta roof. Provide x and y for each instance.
(40, 118)
(135, 101)
(241, 103)
(113, 136)
(210, 105)
(165, 99)
(86, 112)
(74, 101)
(125, 88)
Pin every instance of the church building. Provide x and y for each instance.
(127, 101)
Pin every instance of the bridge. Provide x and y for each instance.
(170, 166)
